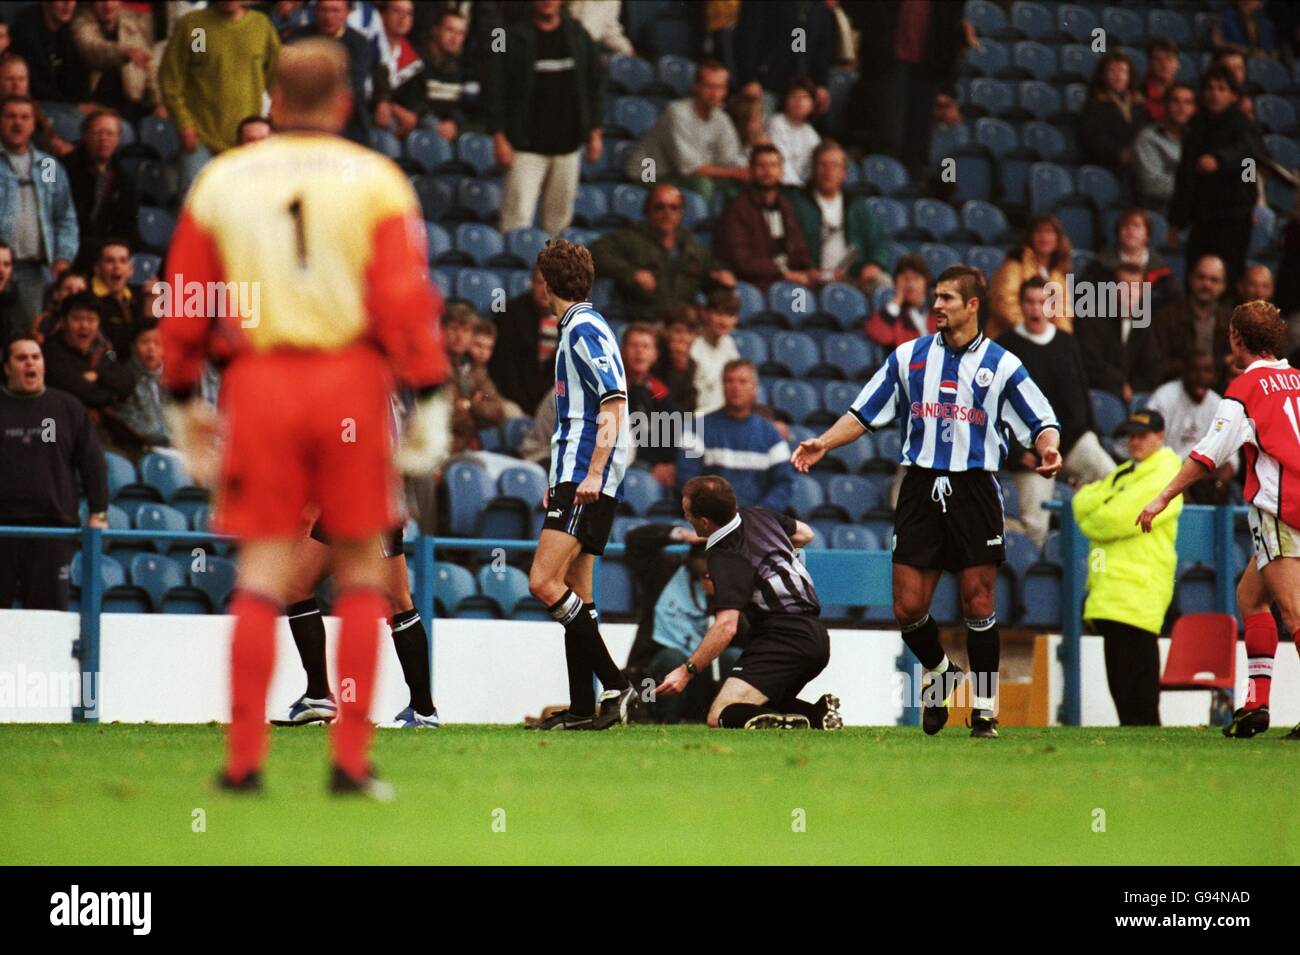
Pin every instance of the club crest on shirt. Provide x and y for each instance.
(1219, 423)
(984, 377)
(559, 388)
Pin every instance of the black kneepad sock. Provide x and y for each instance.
(984, 651)
(735, 716)
(308, 629)
(412, 645)
(568, 610)
(922, 638)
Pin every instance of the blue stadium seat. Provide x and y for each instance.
(751, 345)
(797, 400)
(505, 518)
(855, 494)
(480, 198)
(1080, 259)
(216, 579)
(144, 266)
(985, 220)
(111, 572)
(155, 228)
(513, 432)
(590, 205)
(751, 300)
(156, 183)
(527, 484)
(1283, 149)
(993, 97)
(121, 472)
(853, 537)
(437, 197)
(695, 211)
(165, 473)
(1040, 590)
(845, 304)
(1262, 231)
(853, 355)
(851, 457)
(1076, 94)
(628, 202)
(1194, 590)
(1268, 74)
(475, 151)
(1274, 114)
(505, 584)
(1108, 411)
(382, 141)
(1077, 21)
(987, 18)
(438, 241)
(795, 302)
(160, 135)
(996, 135)
(1035, 57)
(1010, 495)
(444, 280)
(155, 574)
(1039, 99)
(1013, 181)
(1171, 25)
(945, 141)
(477, 286)
(1022, 553)
(889, 444)
(468, 491)
(938, 257)
(1044, 140)
(615, 595)
(622, 525)
(1124, 24)
(986, 258)
(1034, 20)
(935, 218)
(640, 491)
(891, 213)
(1079, 221)
(428, 150)
(452, 585)
(1048, 184)
(1077, 63)
(806, 496)
(1100, 185)
(796, 351)
(676, 72)
(159, 517)
(634, 115)
(630, 74)
(974, 173)
(479, 242)
(990, 58)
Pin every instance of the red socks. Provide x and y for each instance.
(252, 658)
(360, 611)
(1261, 647)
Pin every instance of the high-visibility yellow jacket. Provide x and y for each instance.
(1130, 574)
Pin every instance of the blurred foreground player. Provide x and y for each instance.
(955, 395)
(589, 454)
(1260, 410)
(754, 571)
(329, 237)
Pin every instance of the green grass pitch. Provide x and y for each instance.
(126, 794)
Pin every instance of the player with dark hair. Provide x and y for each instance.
(332, 236)
(589, 455)
(754, 571)
(954, 395)
(1260, 411)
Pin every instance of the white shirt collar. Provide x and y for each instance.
(573, 310)
(723, 531)
(1261, 363)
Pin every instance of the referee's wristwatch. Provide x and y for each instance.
(691, 668)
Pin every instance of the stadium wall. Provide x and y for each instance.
(173, 669)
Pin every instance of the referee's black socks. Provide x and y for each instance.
(308, 629)
(984, 651)
(412, 645)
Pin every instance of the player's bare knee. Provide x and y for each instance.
(907, 612)
(978, 604)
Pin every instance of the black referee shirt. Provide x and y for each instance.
(753, 567)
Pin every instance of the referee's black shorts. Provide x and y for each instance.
(785, 652)
(390, 541)
(948, 520)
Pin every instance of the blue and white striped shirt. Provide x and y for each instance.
(953, 406)
(588, 372)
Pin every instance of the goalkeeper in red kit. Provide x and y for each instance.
(326, 239)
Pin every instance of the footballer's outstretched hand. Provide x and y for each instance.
(195, 431)
(426, 441)
(809, 452)
(1051, 462)
(674, 682)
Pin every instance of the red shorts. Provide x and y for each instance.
(308, 427)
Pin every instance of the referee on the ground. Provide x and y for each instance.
(754, 571)
(953, 394)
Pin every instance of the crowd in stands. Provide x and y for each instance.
(765, 220)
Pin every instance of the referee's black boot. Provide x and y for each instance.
(616, 708)
(936, 693)
(983, 727)
(1247, 723)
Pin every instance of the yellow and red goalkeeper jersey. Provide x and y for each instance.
(302, 241)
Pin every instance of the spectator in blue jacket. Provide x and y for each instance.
(37, 215)
(740, 445)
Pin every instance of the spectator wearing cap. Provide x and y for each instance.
(1132, 245)
(1053, 360)
(523, 361)
(758, 234)
(42, 34)
(1197, 323)
(1121, 347)
(80, 360)
(1211, 196)
(48, 448)
(1045, 252)
(655, 425)
(105, 197)
(905, 315)
(543, 106)
(1131, 574)
(116, 44)
(676, 368)
(714, 348)
(737, 443)
(846, 241)
(37, 216)
(1188, 406)
(791, 131)
(208, 91)
(1158, 149)
(694, 142)
(657, 263)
